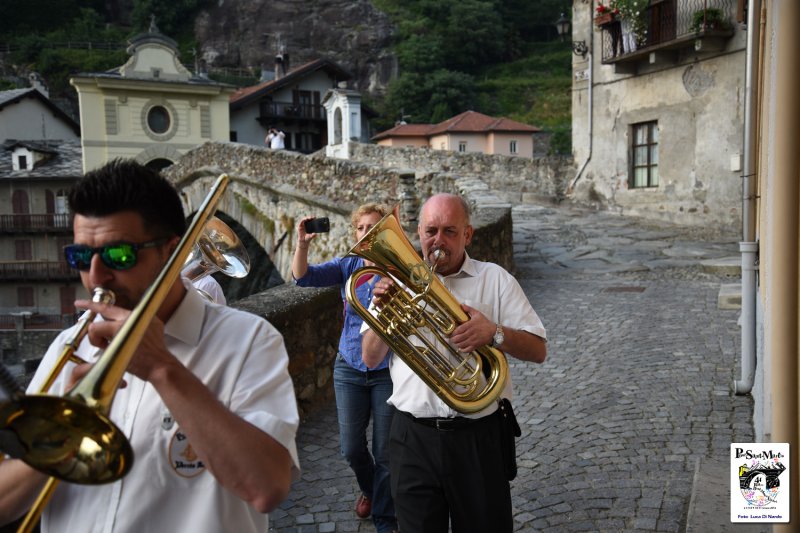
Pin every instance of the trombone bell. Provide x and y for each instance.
(67, 439)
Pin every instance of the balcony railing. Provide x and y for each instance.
(288, 110)
(35, 223)
(663, 23)
(37, 271)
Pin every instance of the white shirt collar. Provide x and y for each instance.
(186, 323)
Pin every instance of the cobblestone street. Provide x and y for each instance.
(635, 392)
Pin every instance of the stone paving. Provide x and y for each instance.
(636, 390)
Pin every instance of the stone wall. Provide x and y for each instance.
(513, 179)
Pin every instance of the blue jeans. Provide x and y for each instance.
(359, 395)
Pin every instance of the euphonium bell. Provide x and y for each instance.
(419, 302)
(218, 249)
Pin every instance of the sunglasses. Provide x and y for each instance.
(117, 256)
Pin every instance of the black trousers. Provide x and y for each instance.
(455, 474)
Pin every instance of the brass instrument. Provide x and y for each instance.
(99, 295)
(218, 249)
(71, 437)
(466, 382)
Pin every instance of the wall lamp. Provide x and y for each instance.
(579, 48)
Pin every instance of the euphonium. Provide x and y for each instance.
(71, 437)
(218, 249)
(419, 302)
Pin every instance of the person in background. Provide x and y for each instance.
(448, 467)
(275, 139)
(361, 392)
(208, 404)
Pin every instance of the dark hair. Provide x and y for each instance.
(125, 185)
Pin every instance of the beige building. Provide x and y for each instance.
(770, 366)
(152, 108)
(468, 132)
(657, 110)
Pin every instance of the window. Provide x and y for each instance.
(23, 250)
(158, 119)
(462, 146)
(512, 147)
(25, 296)
(644, 168)
(22, 162)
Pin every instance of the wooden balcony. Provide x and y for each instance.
(37, 271)
(269, 112)
(664, 28)
(47, 223)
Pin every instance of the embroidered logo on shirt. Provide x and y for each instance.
(182, 457)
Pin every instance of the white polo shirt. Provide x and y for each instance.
(240, 357)
(493, 291)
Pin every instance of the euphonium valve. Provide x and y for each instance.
(417, 318)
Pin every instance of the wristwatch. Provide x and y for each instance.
(499, 337)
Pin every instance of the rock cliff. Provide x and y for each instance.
(249, 33)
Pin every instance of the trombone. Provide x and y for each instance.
(71, 437)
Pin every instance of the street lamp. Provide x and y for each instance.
(579, 48)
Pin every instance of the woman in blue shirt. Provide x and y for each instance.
(360, 392)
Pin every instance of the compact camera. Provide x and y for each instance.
(318, 225)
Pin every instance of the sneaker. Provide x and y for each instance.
(363, 506)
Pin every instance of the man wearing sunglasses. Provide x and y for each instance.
(208, 404)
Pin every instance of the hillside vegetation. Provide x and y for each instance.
(499, 57)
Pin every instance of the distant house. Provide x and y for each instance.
(288, 99)
(30, 114)
(35, 281)
(468, 132)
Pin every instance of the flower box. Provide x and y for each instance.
(605, 18)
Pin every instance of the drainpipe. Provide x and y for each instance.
(749, 247)
(571, 186)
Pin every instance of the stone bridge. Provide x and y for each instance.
(270, 190)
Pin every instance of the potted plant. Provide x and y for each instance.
(711, 18)
(605, 13)
(633, 14)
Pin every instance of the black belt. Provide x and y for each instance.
(447, 424)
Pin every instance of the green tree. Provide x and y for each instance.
(430, 97)
(173, 18)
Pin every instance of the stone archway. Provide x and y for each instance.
(158, 152)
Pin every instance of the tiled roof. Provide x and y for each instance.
(65, 161)
(13, 95)
(474, 122)
(466, 122)
(405, 130)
